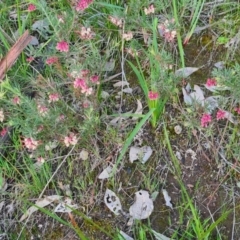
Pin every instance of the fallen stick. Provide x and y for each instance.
(13, 53)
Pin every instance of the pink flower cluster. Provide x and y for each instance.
(149, 10)
(127, 36)
(81, 82)
(31, 8)
(30, 59)
(16, 100)
(30, 143)
(116, 21)
(43, 110)
(62, 46)
(237, 109)
(53, 97)
(153, 95)
(207, 118)
(83, 4)
(71, 139)
(51, 60)
(211, 82)
(221, 114)
(86, 33)
(3, 132)
(165, 30)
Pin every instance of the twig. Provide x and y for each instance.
(13, 53)
(44, 189)
(234, 215)
(50, 179)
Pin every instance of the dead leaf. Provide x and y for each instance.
(143, 205)
(41, 203)
(185, 72)
(117, 120)
(167, 198)
(10, 208)
(106, 173)
(105, 94)
(34, 41)
(1, 206)
(112, 202)
(3, 184)
(160, 236)
(109, 66)
(42, 25)
(178, 129)
(65, 188)
(194, 96)
(127, 90)
(211, 103)
(84, 155)
(66, 206)
(230, 117)
(125, 236)
(51, 145)
(219, 65)
(142, 154)
(121, 84)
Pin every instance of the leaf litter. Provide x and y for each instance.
(142, 154)
(41, 203)
(142, 207)
(112, 202)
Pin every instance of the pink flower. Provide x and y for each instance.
(170, 35)
(3, 132)
(149, 10)
(211, 82)
(61, 118)
(127, 36)
(42, 110)
(116, 21)
(166, 30)
(95, 79)
(83, 4)
(86, 33)
(53, 97)
(62, 46)
(16, 100)
(206, 118)
(80, 83)
(84, 73)
(30, 59)
(86, 104)
(71, 139)
(87, 91)
(221, 114)
(30, 143)
(40, 159)
(51, 60)
(237, 109)
(153, 95)
(31, 8)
